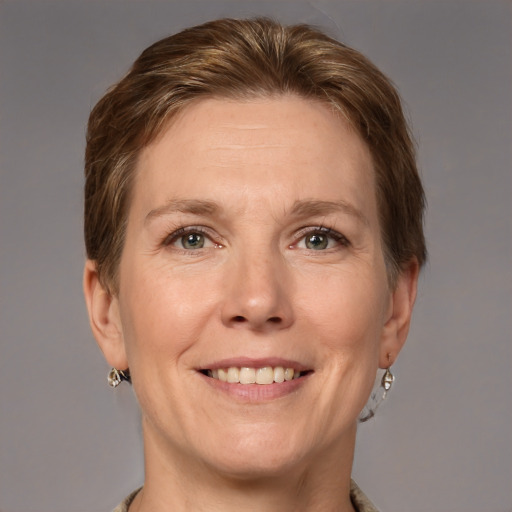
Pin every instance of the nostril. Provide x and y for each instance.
(239, 319)
(256, 322)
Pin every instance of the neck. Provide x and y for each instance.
(178, 482)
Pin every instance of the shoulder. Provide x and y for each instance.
(359, 500)
(124, 505)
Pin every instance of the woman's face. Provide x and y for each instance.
(253, 243)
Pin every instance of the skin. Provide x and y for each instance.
(263, 176)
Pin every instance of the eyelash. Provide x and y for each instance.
(339, 238)
(178, 233)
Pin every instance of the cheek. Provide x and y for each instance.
(346, 308)
(344, 321)
(163, 313)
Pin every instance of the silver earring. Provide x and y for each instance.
(387, 381)
(115, 377)
(377, 396)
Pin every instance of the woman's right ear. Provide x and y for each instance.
(104, 318)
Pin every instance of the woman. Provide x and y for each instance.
(253, 223)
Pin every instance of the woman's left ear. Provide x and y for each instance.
(104, 317)
(399, 314)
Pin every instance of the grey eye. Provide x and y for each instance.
(192, 241)
(317, 241)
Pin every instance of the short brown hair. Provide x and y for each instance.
(241, 59)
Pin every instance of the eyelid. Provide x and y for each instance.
(172, 237)
(338, 237)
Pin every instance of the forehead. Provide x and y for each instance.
(286, 146)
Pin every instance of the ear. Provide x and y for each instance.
(399, 314)
(104, 318)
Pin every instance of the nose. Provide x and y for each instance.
(258, 294)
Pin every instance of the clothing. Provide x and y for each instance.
(123, 506)
(359, 500)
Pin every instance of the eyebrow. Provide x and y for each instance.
(310, 208)
(302, 208)
(192, 206)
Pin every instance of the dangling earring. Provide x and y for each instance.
(115, 377)
(378, 395)
(387, 381)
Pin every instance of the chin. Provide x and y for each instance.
(251, 466)
(259, 454)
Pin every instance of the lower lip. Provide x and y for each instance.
(256, 392)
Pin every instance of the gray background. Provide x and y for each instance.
(443, 441)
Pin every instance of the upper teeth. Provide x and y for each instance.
(245, 375)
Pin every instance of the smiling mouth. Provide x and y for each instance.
(245, 375)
